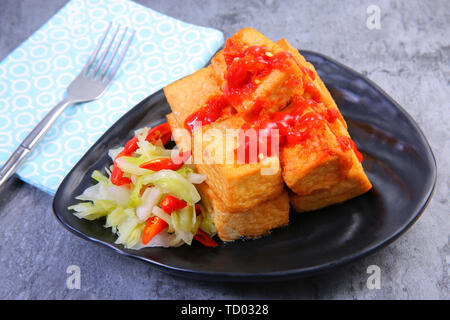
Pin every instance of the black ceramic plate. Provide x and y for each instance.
(397, 160)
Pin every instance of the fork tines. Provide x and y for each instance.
(98, 68)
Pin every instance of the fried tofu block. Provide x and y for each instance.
(191, 93)
(252, 223)
(182, 138)
(241, 186)
(275, 89)
(317, 172)
(339, 127)
(355, 183)
(219, 68)
(318, 163)
(252, 37)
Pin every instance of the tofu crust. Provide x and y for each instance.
(355, 184)
(243, 201)
(253, 223)
(339, 127)
(274, 88)
(189, 94)
(350, 184)
(241, 185)
(317, 164)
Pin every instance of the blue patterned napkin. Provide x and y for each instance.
(34, 76)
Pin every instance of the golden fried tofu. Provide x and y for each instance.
(252, 223)
(191, 93)
(339, 127)
(181, 137)
(316, 164)
(319, 170)
(241, 185)
(219, 68)
(275, 89)
(354, 184)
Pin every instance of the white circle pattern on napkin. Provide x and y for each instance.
(33, 79)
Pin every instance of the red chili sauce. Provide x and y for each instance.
(215, 108)
(295, 127)
(247, 65)
(244, 68)
(347, 143)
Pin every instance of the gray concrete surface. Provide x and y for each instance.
(408, 57)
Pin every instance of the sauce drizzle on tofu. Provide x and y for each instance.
(246, 67)
(215, 108)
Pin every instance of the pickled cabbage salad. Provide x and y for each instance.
(148, 196)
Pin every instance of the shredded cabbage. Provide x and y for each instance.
(130, 229)
(173, 183)
(112, 153)
(184, 223)
(89, 210)
(196, 178)
(131, 165)
(157, 211)
(126, 208)
(207, 223)
(185, 171)
(135, 198)
(150, 198)
(150, 151)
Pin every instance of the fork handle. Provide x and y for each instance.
(31, 140)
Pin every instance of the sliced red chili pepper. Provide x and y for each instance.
(131, 145)
(153, 226)
(117, 177)
(123, 153)
(160, 164)
(166, 163)
(117, 174)
(204, 238)
(170, 203)
(161, 132)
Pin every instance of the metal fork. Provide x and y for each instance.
(89, 85)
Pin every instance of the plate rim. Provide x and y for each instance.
(273, 275)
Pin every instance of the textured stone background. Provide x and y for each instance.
(408, 57)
